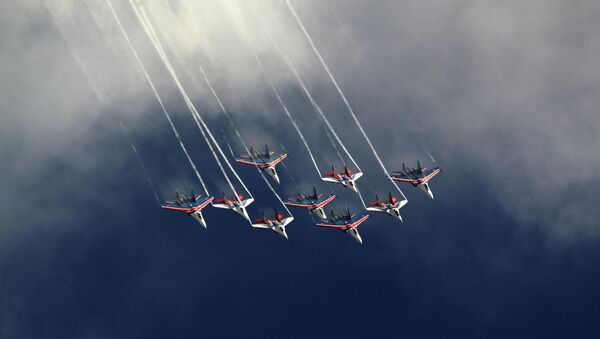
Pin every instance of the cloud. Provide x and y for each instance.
(506, 88)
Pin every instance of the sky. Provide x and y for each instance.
(502, 94)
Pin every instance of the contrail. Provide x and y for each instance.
(339, 90)
(101, 100)
(289, 115)
(158, 98)
(226, 113)
(273, 89)
(308, 94)
(148, 28)
(330, 138)
(139, 157)
(429, 154)
(318, 109)
(237, 132)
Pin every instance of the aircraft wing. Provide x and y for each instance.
(338, 226)
(195, 207)
(356, 176)
(260, 225)
(430, 173)
(247, 202)
(376, 209)
(310, 204)
(401, 203)
(329, 179)
(221, 205)
(286, 221)
(404, 177)
(276, 161)
(179, 209)
(250, 161)
(359, 221)
(353, 224)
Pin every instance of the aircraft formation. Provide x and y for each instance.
(238, 199)
(314, 201)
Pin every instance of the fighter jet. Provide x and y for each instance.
(418, 177)
(313, 202)
(265, 161)
(346, 178)
(277, 223)
(238, 204)
(391, 207)
(346, 223)
(191, 205)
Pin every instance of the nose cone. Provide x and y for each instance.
(395, 212)
(319, 213)
(351, 185)
(281, 231)
(198, 216)
(242, 211)
(354, 233)
(273, 173)
(427, 190)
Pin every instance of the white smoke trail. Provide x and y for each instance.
(361, 198)
(335, 147)
(158, 98)
(317, 107)
(429, 154)
(339, 90)
(100, 97)
(237, 132)
(289, 115)
(149, 29)
(281, 102)
(226, 113)
(139, 157)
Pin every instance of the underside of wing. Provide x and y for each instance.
(260, 225)
(356, 176)
(286, 221)
(247, 202)
(332, 225)
(220, 205)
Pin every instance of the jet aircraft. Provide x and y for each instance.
(192, 205)
(238, 204)
(313, 202)
(391, 207)
(265, 161)
(346, 178)
(346, 223)
(277, 223)
(418, 177)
